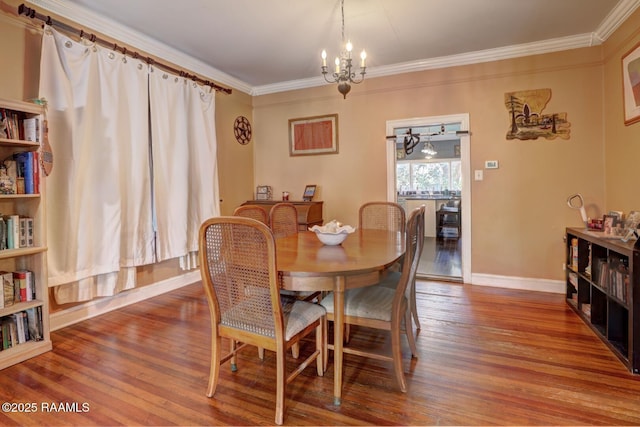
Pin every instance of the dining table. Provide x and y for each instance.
(306, 264)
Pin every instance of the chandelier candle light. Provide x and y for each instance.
(343, 74)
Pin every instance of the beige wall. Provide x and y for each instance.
(519, 211)
(622, 149)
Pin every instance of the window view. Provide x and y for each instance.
(430, 176)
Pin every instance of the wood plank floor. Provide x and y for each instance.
(441, 259)
(487, 357)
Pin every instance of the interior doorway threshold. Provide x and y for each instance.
(455, 279)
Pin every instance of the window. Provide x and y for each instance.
(430, 176)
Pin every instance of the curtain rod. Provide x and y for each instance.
(31, 13)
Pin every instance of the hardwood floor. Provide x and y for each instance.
(487, 357)
(441, 259)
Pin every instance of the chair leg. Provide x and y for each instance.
(320, 340)
(234, 358)
(216, 355)
(281, 382)
(325, 346)
(410, 337)
(414, 306)
(397, 356)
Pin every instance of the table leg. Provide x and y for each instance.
(338, 329)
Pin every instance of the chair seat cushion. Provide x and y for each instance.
(300, 314)
(371, 302)
(297, 316)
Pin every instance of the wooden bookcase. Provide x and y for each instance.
(603, 288)
(32, 258)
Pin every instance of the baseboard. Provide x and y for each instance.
(100, 306)
(523, 283)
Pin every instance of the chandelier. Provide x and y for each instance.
(429, 149)
(343, 74)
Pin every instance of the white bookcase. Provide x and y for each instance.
(32, 258)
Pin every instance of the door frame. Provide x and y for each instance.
(465, 158)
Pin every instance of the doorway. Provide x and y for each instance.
(444, 257)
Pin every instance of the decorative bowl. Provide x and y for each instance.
(333, 233)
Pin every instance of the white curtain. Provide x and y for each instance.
(184, 162)
(99, 191)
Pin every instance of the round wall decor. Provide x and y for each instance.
(242, 130)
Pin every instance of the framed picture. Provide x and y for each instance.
(631, 226)
(631, 85)
(608, 223)
(313, 135)
(263, 192)
(309, 192)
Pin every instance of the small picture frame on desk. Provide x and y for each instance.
(309, 192)
(608, 223)
(263, 192)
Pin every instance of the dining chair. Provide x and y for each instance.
(283, 219)
(252, 211)
(382, 216)
(386, 308)
(238, 268)
(386, 216)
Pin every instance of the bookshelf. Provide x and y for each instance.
(32, 257)
(603, 288)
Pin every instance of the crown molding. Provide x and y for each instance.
(615, 18)
(117, 31)
(488, 55)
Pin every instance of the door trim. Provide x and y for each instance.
(465, 158)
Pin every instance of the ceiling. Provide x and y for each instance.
(264, 46)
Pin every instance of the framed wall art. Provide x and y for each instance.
(263, 192)
(313, 135)
(309, 192)
(631, 85)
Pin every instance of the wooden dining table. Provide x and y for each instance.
(306, 264)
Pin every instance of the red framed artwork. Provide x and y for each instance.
(631, 85)
(313, 135)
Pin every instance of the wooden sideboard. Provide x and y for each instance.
(309, 213)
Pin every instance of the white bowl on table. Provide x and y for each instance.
(333, 233)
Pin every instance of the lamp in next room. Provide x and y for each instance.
(343, 74)
(429, 149)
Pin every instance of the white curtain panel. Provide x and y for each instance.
(185, 185)
(99, 193)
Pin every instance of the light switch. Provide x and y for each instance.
(478, 175)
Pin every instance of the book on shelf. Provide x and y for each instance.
(25, 164)
(31, 128)
(34, 321)
(21, 327)
(13, 231)
(26, 232)
(8, 290)
(20, 284)
(16, 232)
